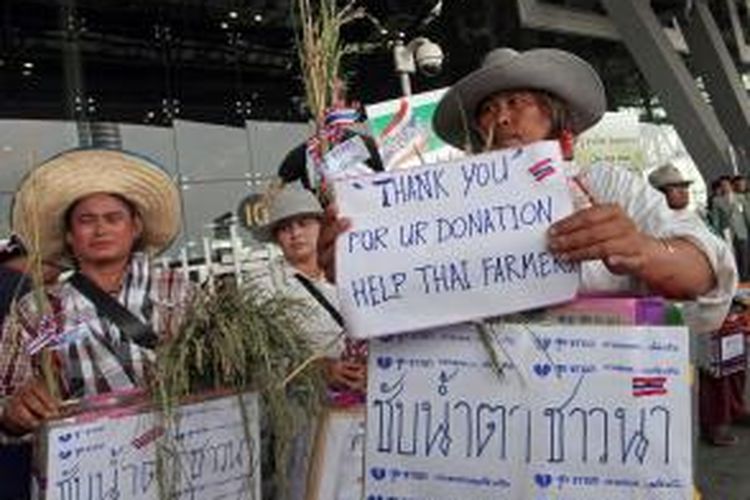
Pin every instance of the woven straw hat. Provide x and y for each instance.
(292, 201)
(558, 72)
(46, 193)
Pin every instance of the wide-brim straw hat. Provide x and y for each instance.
(667, 175)
(293, 200)
(47, 192)
(555, 71)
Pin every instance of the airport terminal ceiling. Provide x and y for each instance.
(150, 61)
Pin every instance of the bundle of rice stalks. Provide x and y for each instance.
(320, 51)
(243, 339)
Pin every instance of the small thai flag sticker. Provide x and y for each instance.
(649, 386)
(542, 169)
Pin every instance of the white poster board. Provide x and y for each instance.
(337, 471)
(582, 412)
(113, 455)
(451, 242)
(615, 139)
(403, 130)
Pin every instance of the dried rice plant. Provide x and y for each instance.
(242, 339)
(320, 51)
(43, 310)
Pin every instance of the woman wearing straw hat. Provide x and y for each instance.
(294, 225)
(107, 212)
(623, 232)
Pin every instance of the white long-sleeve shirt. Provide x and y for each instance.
(650, 212)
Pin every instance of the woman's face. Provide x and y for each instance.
(298, 238)
(513, 118)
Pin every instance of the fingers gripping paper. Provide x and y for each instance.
(449, 242)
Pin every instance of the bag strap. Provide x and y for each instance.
(322, 300)
(130, 326)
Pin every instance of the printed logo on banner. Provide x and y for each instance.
(543, 480)
(542, 369)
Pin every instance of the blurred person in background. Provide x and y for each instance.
(728, 215)
(669, 180)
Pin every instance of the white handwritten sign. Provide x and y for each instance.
(114, 456)
(337, 472)
(581, 412)
(445, 243)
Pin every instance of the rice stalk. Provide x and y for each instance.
(241, 339)
(320, 50)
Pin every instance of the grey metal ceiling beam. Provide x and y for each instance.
(544, 16)
(670, 79)
(743, 48)
(720, 75)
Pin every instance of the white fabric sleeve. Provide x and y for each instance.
(649, 210)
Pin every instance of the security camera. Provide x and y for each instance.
(428, 55)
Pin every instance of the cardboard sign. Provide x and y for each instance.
(580, 412)
(450, 242)
(337, 471)
(113, 454)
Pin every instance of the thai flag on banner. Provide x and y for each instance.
(542, 169)
(649, 386)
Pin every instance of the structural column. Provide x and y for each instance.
(722, 80)
(669, 78)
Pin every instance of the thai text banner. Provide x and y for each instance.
(579, 412)
(113, 455)
(449, 242)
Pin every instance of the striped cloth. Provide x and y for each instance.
(89, 351)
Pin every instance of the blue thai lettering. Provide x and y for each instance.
(666, 414)
(604, 425)
(491, 427)
(556, 434)
(584, 431)
(637, 443)
(441, 433)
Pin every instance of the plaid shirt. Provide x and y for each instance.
(90, 354)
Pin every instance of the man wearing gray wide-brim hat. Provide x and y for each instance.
(622, 233)
(669, 180)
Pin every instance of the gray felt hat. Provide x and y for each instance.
(555, 71)
(292, 201)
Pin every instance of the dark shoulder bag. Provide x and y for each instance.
(132, 328)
